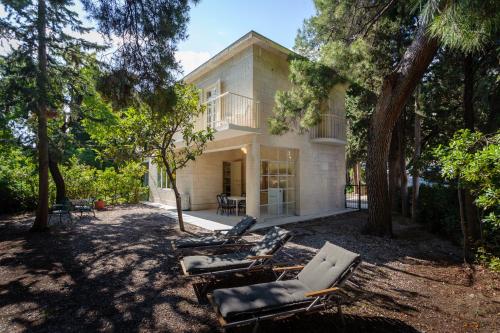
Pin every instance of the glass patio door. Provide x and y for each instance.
(277, 182)
(211, 98)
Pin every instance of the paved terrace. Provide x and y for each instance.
(210, 220)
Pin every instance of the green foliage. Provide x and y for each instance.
(488, 259)
(114, 186)
(149, 32)
(18, 180)
(465, 25)
(438, 210)
(473, 158)
(156, 133)
(312, 83)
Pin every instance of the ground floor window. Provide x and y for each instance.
(162, 179)
(278, 186)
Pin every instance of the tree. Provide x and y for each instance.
(347, 36)
(168, 137)
(471, 159)
(457, 24)
(148, 32)
(39, 55)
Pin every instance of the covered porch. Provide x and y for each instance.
(223, 169)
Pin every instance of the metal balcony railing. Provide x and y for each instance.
(332, 126)
(230, 108)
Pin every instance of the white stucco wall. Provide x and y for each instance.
(258, 72)
(321, 167)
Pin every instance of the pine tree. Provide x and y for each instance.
(40, 46)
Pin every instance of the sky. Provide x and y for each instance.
(215, 24)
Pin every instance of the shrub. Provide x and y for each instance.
(18, 181)
(114, 186)
(438, 211)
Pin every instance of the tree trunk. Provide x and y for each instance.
(402, 167)
(58, 180)
(178, 200)
(396, 89)
(471, 212)
(394, 170)
(465, 229)
(41, 220)
(416, 158)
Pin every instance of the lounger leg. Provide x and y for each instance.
(341, 315)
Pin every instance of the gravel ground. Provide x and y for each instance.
(116, 272)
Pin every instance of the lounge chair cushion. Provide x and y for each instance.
(327, 267)
(242, 227)
(259, 297)
(271, 242)
(201, 241)
(202, 264)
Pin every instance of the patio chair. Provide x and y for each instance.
(242, 207)
(255, 258)
(219, 204)
(61, 209)
(228, 206)
(84, 206)
(220, 237)
(311, 290)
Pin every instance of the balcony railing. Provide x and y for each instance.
(332, 126)
(230, 108)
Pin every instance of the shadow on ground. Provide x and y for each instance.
(117, 273)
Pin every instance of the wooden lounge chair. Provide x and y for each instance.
(314, 288)
(220, 237)
(255, 258)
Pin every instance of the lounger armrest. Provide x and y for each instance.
(267, 256)
(288, 268)
(322, 292)
(218, 232)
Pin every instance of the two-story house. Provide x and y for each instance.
(292, 174)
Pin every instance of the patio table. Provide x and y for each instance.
(237, 199)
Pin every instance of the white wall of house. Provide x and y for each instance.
(321, 167)
(257, 72)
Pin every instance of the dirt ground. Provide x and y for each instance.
(116, 272)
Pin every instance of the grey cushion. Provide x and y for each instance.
(271, 242)
(202, 264)
(257, 297)
(327, 267)
(200, 241)
(241, 227)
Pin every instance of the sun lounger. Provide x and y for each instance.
(220, 237)
(312, 289)
(254, 258)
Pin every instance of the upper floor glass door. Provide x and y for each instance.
(211, 95)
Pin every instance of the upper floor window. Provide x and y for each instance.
(213, 103)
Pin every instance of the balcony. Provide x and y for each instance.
(230, 115)
(331, 130)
